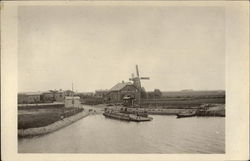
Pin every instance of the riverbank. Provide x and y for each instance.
(52, 127)
(33, 117)
(96, 134)
(40, 105)
(216, 110)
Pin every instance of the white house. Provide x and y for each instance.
(72, 102)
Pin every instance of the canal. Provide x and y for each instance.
(165, 134)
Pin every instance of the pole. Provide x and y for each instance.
(155, 100)
(139, 97)
(73, 102)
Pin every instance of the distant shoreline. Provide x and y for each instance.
(217, 110)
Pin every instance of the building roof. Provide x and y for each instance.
(32, 93)
(47, 92)
(102, 91)
(119, 86)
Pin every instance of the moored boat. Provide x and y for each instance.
(126, 116)
(186, 114)
(135, 112)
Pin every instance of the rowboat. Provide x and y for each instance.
(186, 114)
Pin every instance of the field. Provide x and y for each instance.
(37, 117)
(185, 99)
(170, 94)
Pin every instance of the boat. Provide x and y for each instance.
(135, 112)
(125, 116)
(186, 114)
(110, 104)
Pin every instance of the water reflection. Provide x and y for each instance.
(165, 134)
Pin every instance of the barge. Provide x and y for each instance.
(126, 116)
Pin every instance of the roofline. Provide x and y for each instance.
(123, 87)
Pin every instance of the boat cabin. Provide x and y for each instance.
(128, 101)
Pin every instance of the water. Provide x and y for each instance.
(165, 134)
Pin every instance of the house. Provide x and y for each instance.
(84, 94)
(47, 97)
(29, 97)
(121, 90)
(101, 93)
(59, 96)
(34, 97)
(72, 102)
(69, 93)
(22, 98)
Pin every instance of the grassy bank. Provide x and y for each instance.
(32, 117)
(53, 126)
(182, 102)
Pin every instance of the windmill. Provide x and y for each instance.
(137, 82)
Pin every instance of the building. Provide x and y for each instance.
(59, 96)
(22, 98)
(101, 93)
(121, 90)
(34, 97)
(84, 94)
(47, 97)
(69, 93)
(72, 102)
(29, 97)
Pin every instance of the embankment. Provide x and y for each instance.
(52, 127)
(152, 111)
(217, 110)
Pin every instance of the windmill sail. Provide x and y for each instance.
(137, 82)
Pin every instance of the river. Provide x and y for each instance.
(165, 134)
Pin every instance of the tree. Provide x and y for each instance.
(143, 93)
(157, 93)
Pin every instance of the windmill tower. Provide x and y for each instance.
(137, 82)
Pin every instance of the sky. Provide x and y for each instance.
(95, 47)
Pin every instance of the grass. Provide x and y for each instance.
(183, 102)
(218, 93)
(39, 117)
(36, 120)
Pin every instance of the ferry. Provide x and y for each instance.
(126, 116)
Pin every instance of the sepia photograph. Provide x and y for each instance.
(124, 78)
(121, 79)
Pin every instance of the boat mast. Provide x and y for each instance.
(73, 102)
(139, 85)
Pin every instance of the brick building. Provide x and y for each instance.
(121, 90)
